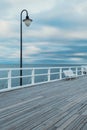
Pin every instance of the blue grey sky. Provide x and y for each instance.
(58, 33)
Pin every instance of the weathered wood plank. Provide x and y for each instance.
(52, 106)
(67, 122)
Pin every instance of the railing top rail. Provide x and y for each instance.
(30, 68)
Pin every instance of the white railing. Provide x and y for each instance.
(10, 77)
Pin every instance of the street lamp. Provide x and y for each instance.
(27, 22)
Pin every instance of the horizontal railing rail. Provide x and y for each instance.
(10, 77)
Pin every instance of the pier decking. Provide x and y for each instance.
(60, 105)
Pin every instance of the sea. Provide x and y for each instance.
(36, 65)
(28, 80)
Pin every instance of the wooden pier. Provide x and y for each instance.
(59, 105)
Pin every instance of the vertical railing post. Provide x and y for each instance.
(60, 73)
(33, 75)
(48, 74)
(9, 79)
(76, 71)
(69, 68)
(82, 71)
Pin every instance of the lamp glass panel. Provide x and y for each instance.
(27, 22)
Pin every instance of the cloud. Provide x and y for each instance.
(49, 32)
(76, 60)
(5, 28)
(29, 50)
(80, 54)
(34, 6)
(59, 29)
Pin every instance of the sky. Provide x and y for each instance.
(57, 34)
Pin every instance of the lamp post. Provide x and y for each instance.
(27, 22)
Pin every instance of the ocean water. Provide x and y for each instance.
(27, 80)
(36, 65)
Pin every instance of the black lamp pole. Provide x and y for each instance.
(27, 21)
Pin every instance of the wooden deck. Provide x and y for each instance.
(60, 105)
